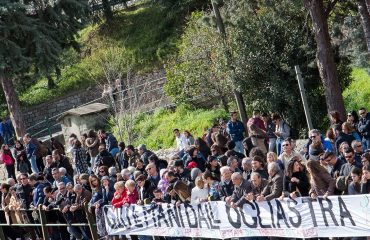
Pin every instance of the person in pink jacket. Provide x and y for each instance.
(6, 157)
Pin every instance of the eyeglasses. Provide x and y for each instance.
(362, 113)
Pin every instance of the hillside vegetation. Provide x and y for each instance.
(155, 130)
(138, 40)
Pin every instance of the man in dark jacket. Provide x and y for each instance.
(334, 162)
(145, 190)
(341, 136)
(236, 129)
(61, 161)
(104, 158)
(110, 142)
(241, 188)
(226, 185)
(24, 191)
(274, 188)
(364, 127)
(144, 153)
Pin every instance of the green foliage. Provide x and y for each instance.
(156, 129)
(199, 72)
(141, 37)
(357, 94)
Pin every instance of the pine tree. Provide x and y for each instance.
(33, 34)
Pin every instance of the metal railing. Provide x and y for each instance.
(44, 225)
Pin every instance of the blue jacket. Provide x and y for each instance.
(236, 130)
(364, 126)
(107, 196)
(38, 193)
(30, 150)
(111, 142)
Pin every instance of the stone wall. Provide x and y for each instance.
(55, 107)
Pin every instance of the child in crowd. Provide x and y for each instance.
(131, 193)
(119, 194)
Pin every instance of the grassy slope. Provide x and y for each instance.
(143, 35)
(358, 92)
(156, 129)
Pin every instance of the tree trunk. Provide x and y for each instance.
(224, 103)
(365, 20)
(13, 105)
(107, 11)
(325, 59)
(237, 94)
(368, 5)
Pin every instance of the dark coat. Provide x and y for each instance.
(240, 191)
(146, 192)
(303, 185)
(226, 189)
(63, 162)
(364, 126)
(274, 187)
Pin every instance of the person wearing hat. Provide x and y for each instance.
(144, 153)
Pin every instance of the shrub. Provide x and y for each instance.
(155, 130)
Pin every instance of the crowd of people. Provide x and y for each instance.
(224, 164)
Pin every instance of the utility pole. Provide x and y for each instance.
(238, 96)
(303, 96)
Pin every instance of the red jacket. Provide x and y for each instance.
(131, 198)
(7, 160)
(118, 202)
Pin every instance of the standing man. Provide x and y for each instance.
(236, 130)
(110, 142)
(181, 143)
(364, 127)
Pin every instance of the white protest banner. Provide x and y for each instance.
(336, 216)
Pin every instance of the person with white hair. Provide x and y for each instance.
(112, 174)
(10, 181)
(144, 153)
(226, 185)
(274, 187)
(125, 174)
(241, 188)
